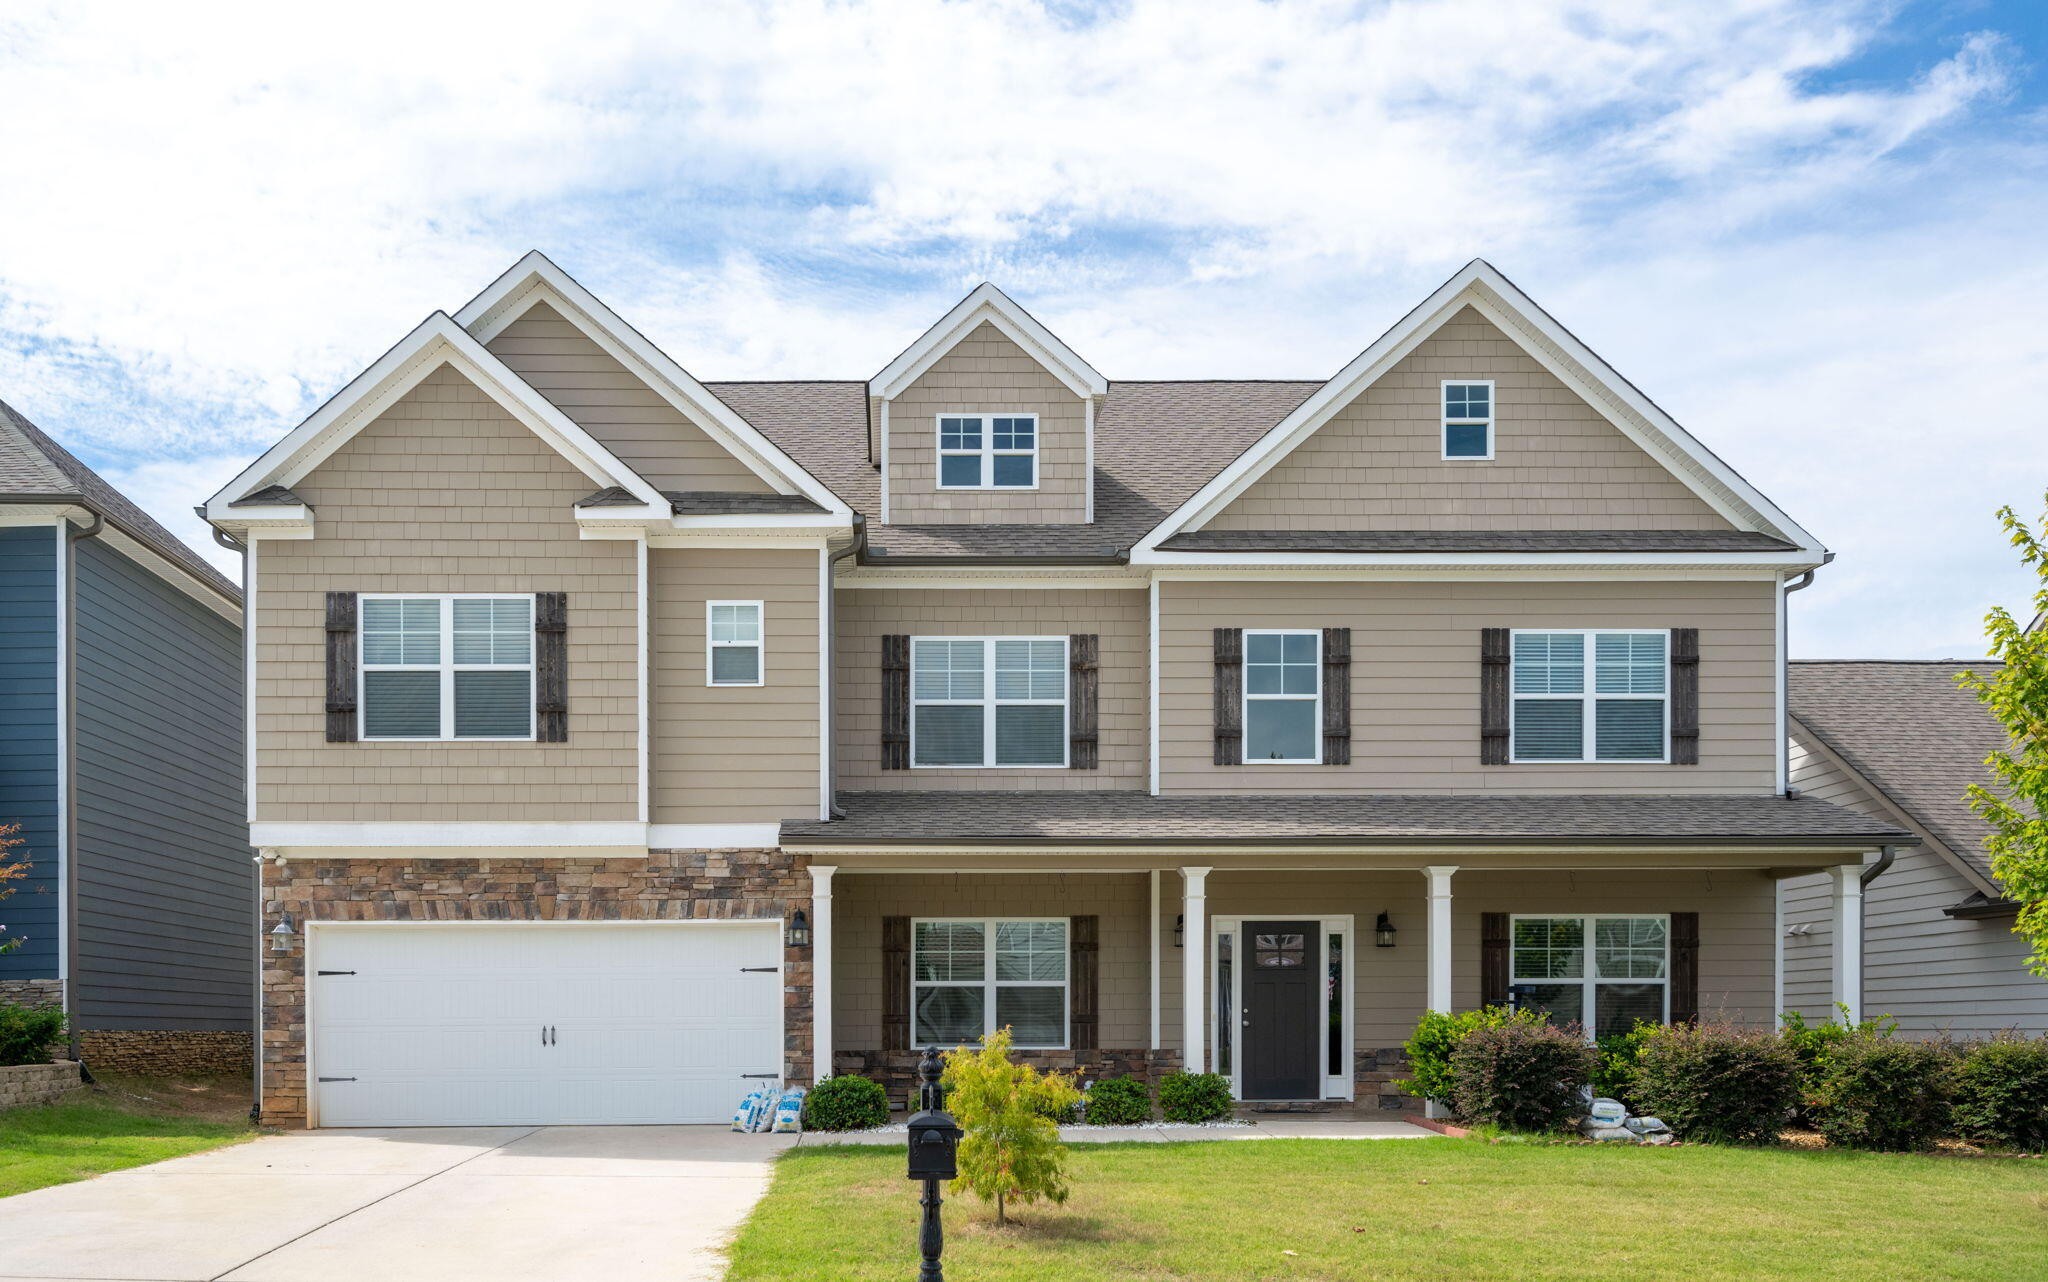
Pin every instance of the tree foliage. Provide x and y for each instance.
(2017, 694)
(1011, 1148)
(9, 839)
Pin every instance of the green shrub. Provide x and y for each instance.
(1436, 1035)
(1119, 1101)
(1195, 1097)
(1880, 1094)
(28, 1034)
(1717, 1082)
(2001, 1093)
(1815, 1044)
(1615, 1075)
(846, 1103)
(1521, 1076)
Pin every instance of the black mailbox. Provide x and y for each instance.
(934, 1145)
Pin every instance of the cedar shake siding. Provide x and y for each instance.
(607, 400)
(445, 492)
(1557, 465)
(986, 373)
(1117, 616)
(734, 754)
(1416, 672)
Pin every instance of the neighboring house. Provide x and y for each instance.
(1902, 741)
(121, 760)
(621, 740)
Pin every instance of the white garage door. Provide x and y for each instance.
(544, 1023)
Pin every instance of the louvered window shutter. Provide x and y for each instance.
(1083, 678)
(1229, 697)
(1336, 696)
(1493, 696)
(551, 666)
(1085, 1032)
(895, 984)
(895, 702)
(1493, 959)
(341, 667)
(1685, 967)
(1685, 696)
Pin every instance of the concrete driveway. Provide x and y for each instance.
(501, 1204)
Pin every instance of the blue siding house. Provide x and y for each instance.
(121, 771)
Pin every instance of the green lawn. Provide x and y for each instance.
(90, 1132)
(1439, 1209)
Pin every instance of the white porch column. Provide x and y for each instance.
(1440, 936)
(1152, 962)
(1194, 967)
(821, 971)
(1848, 927)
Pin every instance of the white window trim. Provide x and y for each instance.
(1334, 1087)
(988, 453)
(988, 703)
(989, 983)
(1591, 699)
(1446, 422)
(1589, 981)
(447, 667)
(1247, 698)
(759, 643)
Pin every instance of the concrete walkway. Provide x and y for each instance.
(500, 1204)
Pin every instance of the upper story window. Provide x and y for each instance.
(1468, 419)
(988, 451)
(732, 643)
(1283, 697)
(1622, 978)
(1590, 696)
(988, 701)
(447, 667)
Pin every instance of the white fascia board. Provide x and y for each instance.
(264, 514)
(988, 577)
(1472, 285)
(535, 278)
(987, 303)
(1761, 562)
(714, 836)
(437, 341)
(778, 521)
(463, 833)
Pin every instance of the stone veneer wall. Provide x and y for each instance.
(32, 992)
(1376, 1071)
(27, 1085)
(166, 1052)
(897, 1070)
(668, 885)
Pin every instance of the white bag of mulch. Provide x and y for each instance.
(1609, 1133)
(747, 1117)
(1646, 1125)
(1607, 1112)
(789, 1113)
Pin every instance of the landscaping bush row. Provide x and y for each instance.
(850, 1103)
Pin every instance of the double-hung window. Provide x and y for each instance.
(1590, 696)
(1468, 418)
(988, 451)
(988, 701)
(972, 977)
(733, 643)
(447, 667)
(1623, 978)
(1283, 696)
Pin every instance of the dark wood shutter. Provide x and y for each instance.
(341, 667)
(551, 666)
(1229, 697)
(1081, 991)
(1083, 680)
(895, 702)
(1336, 696)
(895, 983)
(1685, 696)
(1493, 959)
(1685, 967)
(1493, 696)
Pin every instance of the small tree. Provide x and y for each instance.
(1011, 1148)
(2017, 694)
(9, 838)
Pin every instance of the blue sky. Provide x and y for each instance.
(1811, 231)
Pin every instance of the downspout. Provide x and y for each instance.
(1786, 589)
(1885, 856)
(858, 545)
(233, 544)
(67, 698)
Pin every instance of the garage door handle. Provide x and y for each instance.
(742, 1075)
(764, 970)
(337, 1079)
(334, 972)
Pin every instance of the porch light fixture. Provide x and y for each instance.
(1180, 930)
(281, 934)
(799, 930)
(1383, 931)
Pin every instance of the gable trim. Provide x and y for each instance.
(988, 304)
(1898, 814)
(536, 279)
(1479, 285)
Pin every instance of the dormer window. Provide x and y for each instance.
(1468, 419)
(988, 451)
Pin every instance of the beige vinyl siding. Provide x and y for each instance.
(611, 403)
(986, 373)
(1558, 463)
(1119, 617)
(734, 754)
(1415, 681)
(445, 492)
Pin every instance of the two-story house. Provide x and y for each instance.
(620, 740)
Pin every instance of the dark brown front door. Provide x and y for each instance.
(1283, 980)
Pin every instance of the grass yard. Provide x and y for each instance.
(130, 1122)
(1435, 1209)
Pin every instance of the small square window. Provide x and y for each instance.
(1467, 420)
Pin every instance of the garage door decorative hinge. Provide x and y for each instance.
(760, 970)
(334, 972)
(337, 1079)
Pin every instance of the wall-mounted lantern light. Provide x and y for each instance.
(281, 934)
(1383, 932)
(1180, 930)
(799, 930)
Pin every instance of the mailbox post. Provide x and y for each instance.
(934, 1144)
